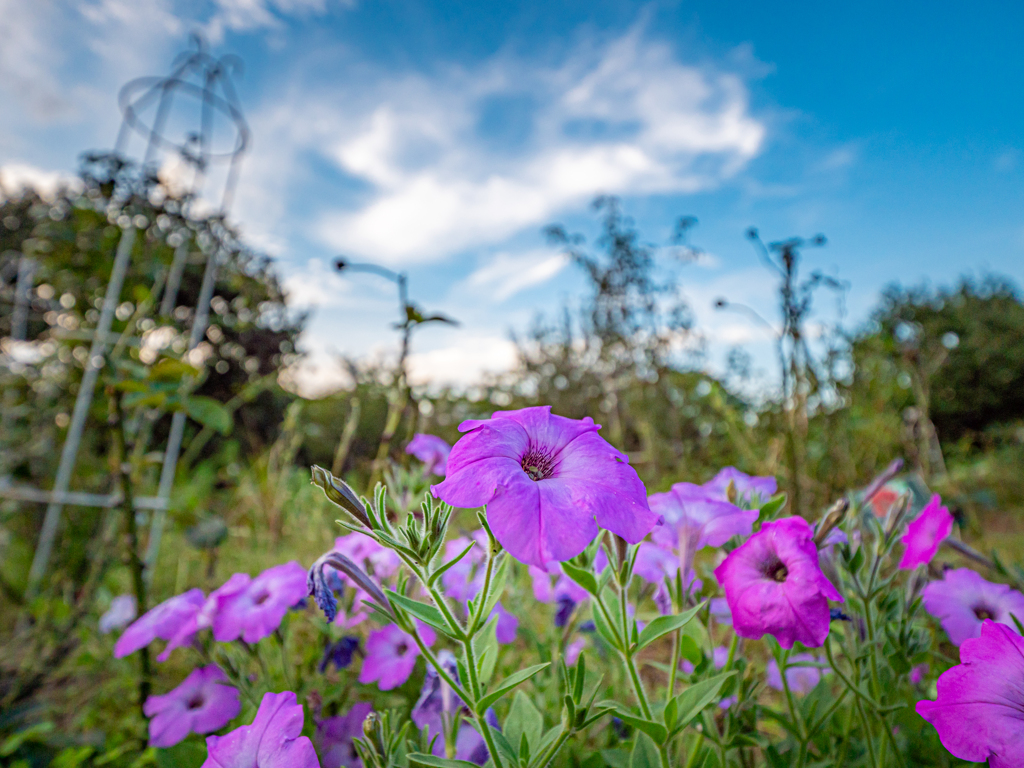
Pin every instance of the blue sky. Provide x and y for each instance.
(441, 137)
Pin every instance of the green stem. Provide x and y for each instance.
(867, 733)
(663, 754)
(696, 751)
(478, 619)
(794, 713)
(674, 669)
(551, 750)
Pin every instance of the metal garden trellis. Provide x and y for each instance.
(200, 76)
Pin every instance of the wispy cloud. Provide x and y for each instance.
(465, 158)
(505, 274)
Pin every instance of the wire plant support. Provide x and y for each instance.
(188, 124)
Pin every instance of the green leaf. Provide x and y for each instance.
(418, 758)
(692, 701)
(510, 754)
(485, 648)
(655, 730)
(169, 369)
(662, 625)
(33, 733)
(771, 508)
(437, 574)
(582, 577)
(524, 719)
(690, 650)
(671, 710)
(210, 413)
(508, 684)
(616, 758)
(428, 614)
(645, 753)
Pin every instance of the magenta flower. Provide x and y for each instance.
(979, 713)
(465, 579)
(123, 610)
(925, 534)
(774, 585)
(654, 564)
(963, 600)
(335, 737)
(917, 673)
(163, 621)
(719, 656)
(573, 651)
(391, 655)
(255, 608)
(508, 625)
(431, 450)
(750, 491)
(272, 741)
(694, 520)
(548, 483)
(801, 678)
(199, 705)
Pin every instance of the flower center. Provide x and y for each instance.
(537, 465)
(261, 598)
(982, 612)
(196, 701)
(776, 570)
(401, 648)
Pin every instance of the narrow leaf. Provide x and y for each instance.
(692, 701)
(645, 753)
(662, 625)
(428, 614)
(656, 731)
(508, 684)
(582, 577)
(437, 574)
(418, 758)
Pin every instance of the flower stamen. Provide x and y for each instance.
(537, 465)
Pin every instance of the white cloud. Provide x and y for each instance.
(506, 274)
(247, 15)
(316, 285)
(17, 177)
(624, 118)
(463, 363)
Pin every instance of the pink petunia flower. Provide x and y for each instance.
(548, 482)
(335, 737)
(694, 520)
(162, 621)
(391, 655)
(750, 491)
(719, 656)
(431, 450)
(962, 600)
(917, 673)
(801, 678)
(254, 608)
(573, 650)
(925, 534)
(979, 713)
(199, 705)
(272, 741)
(775, 586)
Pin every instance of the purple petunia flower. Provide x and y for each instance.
(199, 705)
(253, 609)
(391, 655)
(917, 673)
(719, 608)
(774, 585)
(801, 679)
(978, 713)
(335, 737)
(963, 600)
(272, 741)
(548, 483)
(123, 610)
(694, 520)
(750, 491)
(925, 534)
(431, 450)
(366, 552)
(438, 703)
(163, 621)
